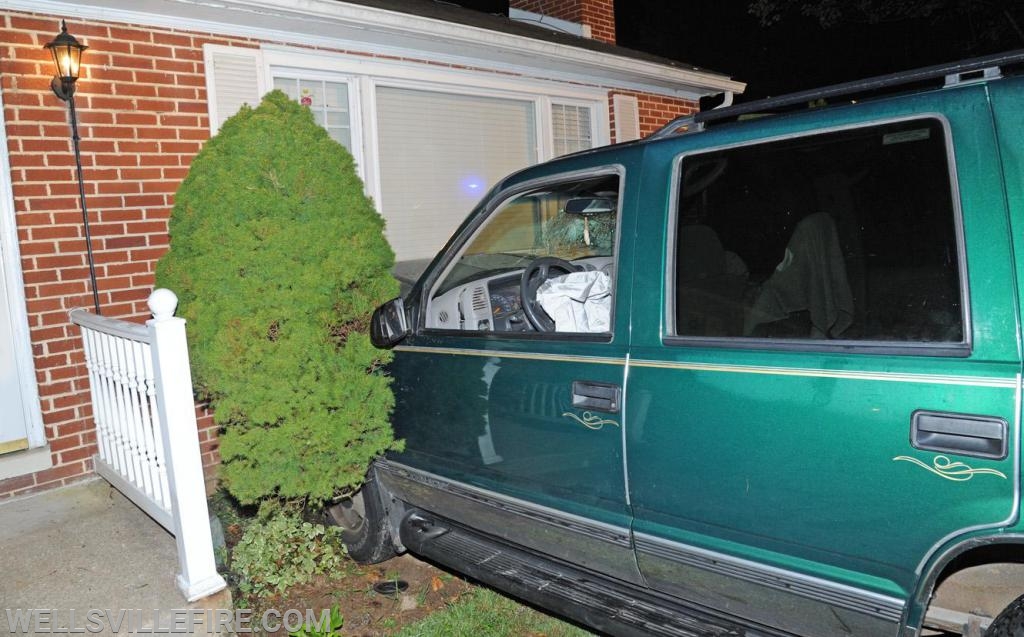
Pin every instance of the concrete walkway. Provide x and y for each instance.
(88, 547)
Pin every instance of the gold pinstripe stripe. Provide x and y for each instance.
(892, 377)
(455, 351)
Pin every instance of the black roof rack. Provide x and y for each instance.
(947, 71)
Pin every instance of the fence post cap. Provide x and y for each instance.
(162, 303)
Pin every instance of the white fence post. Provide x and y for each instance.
(176, 405)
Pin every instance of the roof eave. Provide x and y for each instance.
(329, 23)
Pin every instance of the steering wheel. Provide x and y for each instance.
(535, 274)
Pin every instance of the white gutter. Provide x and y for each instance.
(328, 23)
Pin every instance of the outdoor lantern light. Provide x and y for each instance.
(67, 57)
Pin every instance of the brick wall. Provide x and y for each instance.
(599, 15)
(655, 110)
(143, 116)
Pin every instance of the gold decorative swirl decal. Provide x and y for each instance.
(591, 420)
(955, 471)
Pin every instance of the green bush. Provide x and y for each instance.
(281, 550)
(278, 259)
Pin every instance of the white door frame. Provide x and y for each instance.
(11, 269)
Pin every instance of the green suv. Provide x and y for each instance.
(754, 375)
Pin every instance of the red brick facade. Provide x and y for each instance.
(655, 110)
(143, 115)
(599, 15)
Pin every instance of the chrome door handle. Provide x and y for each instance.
(964, 434)
(599, 396)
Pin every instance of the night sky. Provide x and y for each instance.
(720, 35)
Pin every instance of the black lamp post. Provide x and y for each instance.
(67, 58)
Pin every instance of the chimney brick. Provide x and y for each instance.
(599, 15)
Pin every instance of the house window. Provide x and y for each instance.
(571, 128)
(439, 153)
(329, 102)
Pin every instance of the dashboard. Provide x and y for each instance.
(506, 306)
(490, 303)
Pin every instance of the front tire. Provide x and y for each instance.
(363, 524)
(1010, 622)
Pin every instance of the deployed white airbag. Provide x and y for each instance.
(578, 302)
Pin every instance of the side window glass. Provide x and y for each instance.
(848, 235)
(543, 261)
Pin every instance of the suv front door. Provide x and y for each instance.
(823, 406)
(519, 424)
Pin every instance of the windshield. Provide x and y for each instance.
(536, 224)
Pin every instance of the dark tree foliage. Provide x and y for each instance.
(986, 24)
(279, 258)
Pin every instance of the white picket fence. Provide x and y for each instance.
(146, 429)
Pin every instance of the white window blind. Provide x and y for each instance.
(627, 117)
(233, 78)
(571, 129)
(439, 154)
(329, 102)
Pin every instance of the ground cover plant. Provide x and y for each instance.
(280, 550)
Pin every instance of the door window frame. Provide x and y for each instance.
(960, 349)
(494, 202)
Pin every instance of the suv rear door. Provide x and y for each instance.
(824, 386)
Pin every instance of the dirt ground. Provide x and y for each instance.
(368, 613)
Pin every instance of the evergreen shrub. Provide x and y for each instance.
(278, 259)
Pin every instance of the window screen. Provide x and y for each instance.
(848, 235)
(439, 154)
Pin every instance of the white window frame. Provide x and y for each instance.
(577, 103)
(367, 73)
(354, 103)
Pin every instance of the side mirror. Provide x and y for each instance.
(589, 206)
(388, 327)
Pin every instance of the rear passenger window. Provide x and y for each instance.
(849, 235)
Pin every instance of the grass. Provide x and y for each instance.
(485, 613)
